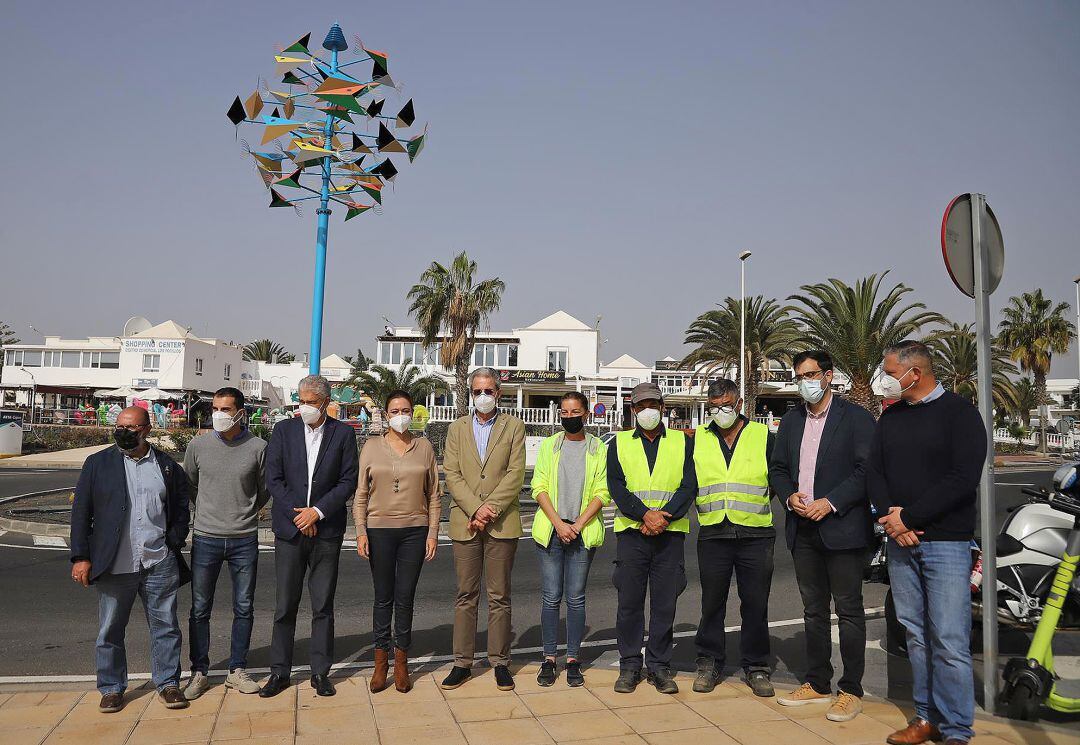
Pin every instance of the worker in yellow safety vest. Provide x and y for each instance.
(650, 473)
(731, 463)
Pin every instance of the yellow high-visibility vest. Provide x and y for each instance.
(738, 491)
(657, 488)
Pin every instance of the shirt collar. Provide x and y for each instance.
(239, 435)
(639, 433)
(824, 412)
(933, 395)
(488, 423)
(315, 430)
(149, 456)
(716, 427)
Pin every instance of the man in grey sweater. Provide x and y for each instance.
(225, 468)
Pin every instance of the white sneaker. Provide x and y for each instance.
(241, 681)
(198, 686)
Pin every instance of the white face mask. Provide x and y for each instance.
(310, 414)
(892, 387)
(400, 423)
(725, 417)
(484, 403)
(648, 419)
(811, 390)
(224, 421)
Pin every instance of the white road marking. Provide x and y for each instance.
(33, 548)
(49, 540)
(352, 665)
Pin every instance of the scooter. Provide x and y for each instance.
(1031, 681)
(1029, 548)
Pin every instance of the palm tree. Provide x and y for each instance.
(770, 336)
(956, 365)
(7, 336)
(1033, 329)
(266, 350)
(1027, 398)
(378, 381)
(856, 326)
(449, 306)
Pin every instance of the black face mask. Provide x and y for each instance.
(573, 424)
(125, 438)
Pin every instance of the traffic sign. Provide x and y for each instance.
(956, 246)
(599, 410)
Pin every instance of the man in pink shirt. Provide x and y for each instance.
(817, 466)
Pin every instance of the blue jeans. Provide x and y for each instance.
(207, 556)
(157, 587)
(933, 602)
(564, 570)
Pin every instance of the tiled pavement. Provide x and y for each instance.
(475, 714)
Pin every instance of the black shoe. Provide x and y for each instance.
(662, 680)
(274, 685)
(574, 678)
(759, 683)
(322, 685)
(546, 676)
(111, 703)
(628, 681)
(457, 676)
(504, 681)
(708, 675)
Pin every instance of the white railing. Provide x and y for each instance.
(1053, 441)
(541, 416)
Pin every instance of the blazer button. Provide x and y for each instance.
(482, 476)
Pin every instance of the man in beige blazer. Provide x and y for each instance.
(484, 460)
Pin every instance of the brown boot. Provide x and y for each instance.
(917, 732)
(382, 667)
(401, 671)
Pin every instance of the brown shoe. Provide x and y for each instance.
(173, 698)
(111, 703)
(382, 667)
(917, 732)
(401, 671)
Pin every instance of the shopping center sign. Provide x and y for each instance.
(153, 346)
(532, 376)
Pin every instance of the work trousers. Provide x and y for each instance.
(317, 560)
(751, 561)
(655, 564)
(491, 559)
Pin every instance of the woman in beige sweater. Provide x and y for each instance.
(397, 509)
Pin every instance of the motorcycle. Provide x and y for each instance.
(1029, 548)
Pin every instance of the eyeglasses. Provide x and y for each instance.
(483, 391)
(721, 409)
(809, 375)
(130, 427)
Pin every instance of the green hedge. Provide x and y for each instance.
(48, 438)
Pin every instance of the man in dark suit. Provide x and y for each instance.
(818, 466)
(129, 522)
(311, 470)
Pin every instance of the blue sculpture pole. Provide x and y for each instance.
(334, 42)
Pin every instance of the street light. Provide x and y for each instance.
(742, 326)
(1077, 283)
(33, 392)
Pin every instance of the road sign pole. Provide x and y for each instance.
(986, 483)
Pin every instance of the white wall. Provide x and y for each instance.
(580, 344)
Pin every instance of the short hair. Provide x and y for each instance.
(912, 352)
(820, 356)
(233, 393)
(576, 396)
(723, 387)
(317, 383)
(398, 394)
(485, 372)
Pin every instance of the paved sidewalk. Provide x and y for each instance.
(73, 458)
(475, 714)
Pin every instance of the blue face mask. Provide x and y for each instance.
(811, 390)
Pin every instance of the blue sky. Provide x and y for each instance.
(602, 157)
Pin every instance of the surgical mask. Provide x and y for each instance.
(223, 421)
(400, 422)
(125, 439)
(725, 416)
(573, 424)
(811, 390)
(648, 419)
(892, 387)
(310, 414)
(484, 403)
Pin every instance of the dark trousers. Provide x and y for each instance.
(317, 559)
(751, 561)
(397, 556)
(207, 556)
(823, 574)
(655, 563)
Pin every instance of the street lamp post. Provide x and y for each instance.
(33, 392)
(742, 326)
(1077, 283)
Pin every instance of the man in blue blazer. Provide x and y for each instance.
(311, 471)
(129, 522)
(818, 469)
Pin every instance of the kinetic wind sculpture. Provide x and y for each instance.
(318, 138)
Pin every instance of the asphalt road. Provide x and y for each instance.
(48, 624)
